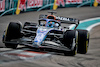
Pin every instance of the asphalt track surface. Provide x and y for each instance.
(91, 59)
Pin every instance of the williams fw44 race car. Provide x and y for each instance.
(48, 33)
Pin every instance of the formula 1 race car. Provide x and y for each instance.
(49, 34)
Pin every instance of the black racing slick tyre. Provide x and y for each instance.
(71, 53)
(70, 41)
(12, 32)
(83, 41)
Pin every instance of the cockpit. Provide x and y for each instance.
(49, 23)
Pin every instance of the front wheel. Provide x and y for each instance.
(12, 32)
(71, 53)
(70, 41)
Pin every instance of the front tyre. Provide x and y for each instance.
(72, 52)
(70, 41)
(12, 32)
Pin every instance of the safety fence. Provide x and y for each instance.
(12, 6)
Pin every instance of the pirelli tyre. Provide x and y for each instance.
(83, 41)
(70, 41)
(13, 31)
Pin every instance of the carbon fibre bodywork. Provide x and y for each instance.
(48, 33)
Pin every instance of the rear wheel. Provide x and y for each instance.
(12, 32)
(83, 41)
(70, 41)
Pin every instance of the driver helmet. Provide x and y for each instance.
(51, 24)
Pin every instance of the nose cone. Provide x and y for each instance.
(36, 44)
(41, 35)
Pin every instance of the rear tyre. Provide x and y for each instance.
(83, 41)
(69, 40)
(12, 32)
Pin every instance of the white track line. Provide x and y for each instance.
(94, 25)
(90, 27)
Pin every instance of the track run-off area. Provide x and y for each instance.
(25, 57)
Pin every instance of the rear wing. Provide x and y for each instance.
(62, 19)
(67, 20)
(42, 16)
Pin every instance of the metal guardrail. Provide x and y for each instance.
(86, 2)
(11, 5)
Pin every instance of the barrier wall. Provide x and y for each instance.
(10, 6)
